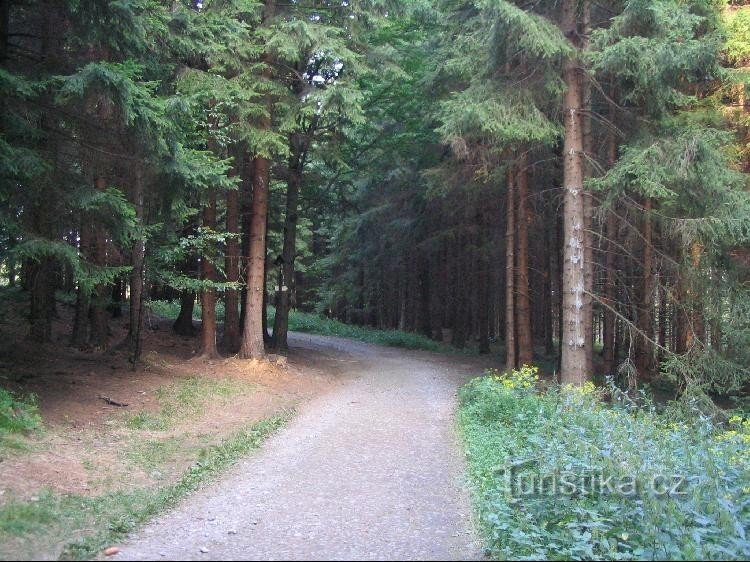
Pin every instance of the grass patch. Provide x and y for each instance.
(86, 525)
(186, 398)
(18, 416)
(153, 453)
(316, 324)
(622, 464)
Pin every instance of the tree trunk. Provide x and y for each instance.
(483, 311)
(137, 275)
(644, 347)
(610, 288)
(99, 335)
(576, 306)
(588, 200)
(116, 298)
(42, 288)
(510, 278)
(11, 261)
(425, 314)
(694, 329)
(523, 306)
(289, 251)
(232, 265)
(458, 337)
(610, 294)
(254, 333)
(548, 304)
(80, 336)
(208, 293)
(183, 325)
(246, 207)
(252, 337)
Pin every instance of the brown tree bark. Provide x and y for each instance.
(644, 353)
(208, 294)
(510, 278)
(252, 337)
(588, 200)
(232, 264)
(11, 263)
(246, 207)
(289, 251)
(610, 295)
(548, 302)
(253, 333)
(458, 337)
(183, 325)
(523, 305)
(425, 314)
(610, 265)
(80, 335)
(137, 276)
(483, 309)
(99, 335)
(694, 329)
(576, 306)
(42, 289)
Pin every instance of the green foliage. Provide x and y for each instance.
(18, 415)
(737, 45)
(570, 433)
(654, 50)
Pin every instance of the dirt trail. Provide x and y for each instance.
(371, 470)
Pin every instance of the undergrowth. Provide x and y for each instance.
(562, 474)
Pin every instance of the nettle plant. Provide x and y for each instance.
(640, 484)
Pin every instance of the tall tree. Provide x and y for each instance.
(576, 303)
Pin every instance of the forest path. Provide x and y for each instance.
(371, 470)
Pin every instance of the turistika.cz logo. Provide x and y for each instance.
(527, 479)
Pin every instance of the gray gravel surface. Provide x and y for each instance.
(371, 470)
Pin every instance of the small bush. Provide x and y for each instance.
(18, 415)
(623, 464)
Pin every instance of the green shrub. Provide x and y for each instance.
(18, 415)
(622, 461)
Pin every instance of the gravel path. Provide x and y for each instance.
(371, 470)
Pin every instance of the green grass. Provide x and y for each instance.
(18, 416)
(186, 398)
(154, 453)
(316, 324)
(572, 434)
(88, 524)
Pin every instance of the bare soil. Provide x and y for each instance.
(85, 447)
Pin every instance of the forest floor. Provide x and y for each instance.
(370, 470)
(116, 459)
